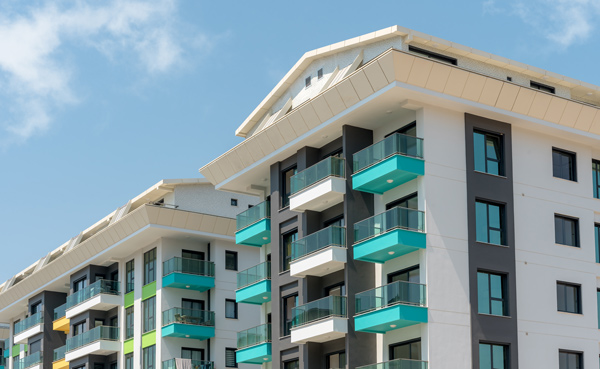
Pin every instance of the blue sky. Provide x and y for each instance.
(100, 100)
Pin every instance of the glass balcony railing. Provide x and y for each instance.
(254, 214)
(395, 144)
(397, 364)
(254, 336)
(94, 289)
(93, 335)
(330, 306)
(189, 316)
(395, 218)
(195, 364)
(189, 266)
(330, 236)
(59, 353)
(255, 274)
(329, 167)
(60, 312)
(399, 292)
(35, 319)
(28, 361)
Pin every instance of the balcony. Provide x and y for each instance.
(254, 345)
(320, 253)
(397, 364)
(254, 284)
(320, 320)
(320, 186)
(58, 361)
(388, 164)
(60, 322)
(393, 306)
(191, 274)
(194, 364)
(28, 328)
(254, 225)
(101, 340)
(188, 323)
(101, 295)
(388, 235)
(32, 361)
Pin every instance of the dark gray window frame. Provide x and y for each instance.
(230, 349)
(579, 307)
(576, 235)
(572, 156)
(233, 254)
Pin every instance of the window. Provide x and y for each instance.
(596, 177)
(307, 82)
(36, 308)
(489, 221)
(129, 323)
(98, 322)
(336, 222)
(231, 260)
(564, 165)
(412, 274)
(541, 87)
(432, 55)
(234, 202)
(79, 284)
(320, 73)
(286, 244)
(286, 176)
(289, 302)
(192, 354)
(491, 294)
(188, 254)
(231, 309)
(566, 230)
(149, 317)
(192, 304)
(149, 357)
(487, 151)
(493, 356)
(292, 364)
(597, 234)
(568, 297)
(337, 360)
(150, 266)
(406, 350)
(35, 346)
(336, 290)
(113, 365)
(411, 202)
(129, 276)
(78, 328)
(598, 306)
(230, 361)
(570, 360)
(98, 365)
(509, 79)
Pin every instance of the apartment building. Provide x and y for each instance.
(423, 205)
(151, 285)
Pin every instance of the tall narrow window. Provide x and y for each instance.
(286, 189)
(150, 266)
(129, 276)
(598, 306)
(570, 360)
(149, 307)
(489, 220)
(597, 237)
(564, 165)
(286, 244)
(596, 177)
(337, 360)
(568, 297)
(231, 309)
(230, 361)
(488, 153)
(129, 323)
(491, 294)
(566, 230)
(231, 260)
(79, 284)
(149, 357)
(493, 356)
(289, 302)
(129, 361)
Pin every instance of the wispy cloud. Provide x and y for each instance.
(35, 76)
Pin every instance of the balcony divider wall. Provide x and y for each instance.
(50, 338)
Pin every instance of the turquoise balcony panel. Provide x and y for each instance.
(387, 174)
(198, 332)
(257, 234)
(255, 354)
(257, 293)
(390, 318)
(188, 281)
(389, 245)
(191, 274)
(188, 323)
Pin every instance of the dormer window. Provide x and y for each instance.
(307, 82)
(320, 73)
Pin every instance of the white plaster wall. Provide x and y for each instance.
(205, 199)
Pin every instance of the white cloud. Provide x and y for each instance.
(35, 76)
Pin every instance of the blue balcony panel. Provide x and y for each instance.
(188, 281)
(257, 354)
(257, 234)
(390, 318)
(387, 174)
(199, 332)
(257, 293)
(389, 245)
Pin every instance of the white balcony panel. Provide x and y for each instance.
(320, 263)
(36, 366)
(101, 302)
(319, 196)
(22, 337)
(100, 347)
(321, 331)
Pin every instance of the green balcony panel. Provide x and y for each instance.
(191, 274)
(188, 323)
(392, 306)
(388, 235)
(257, 293)
(254, 225)
(254, 345)
(388, 163)
(397, 364)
